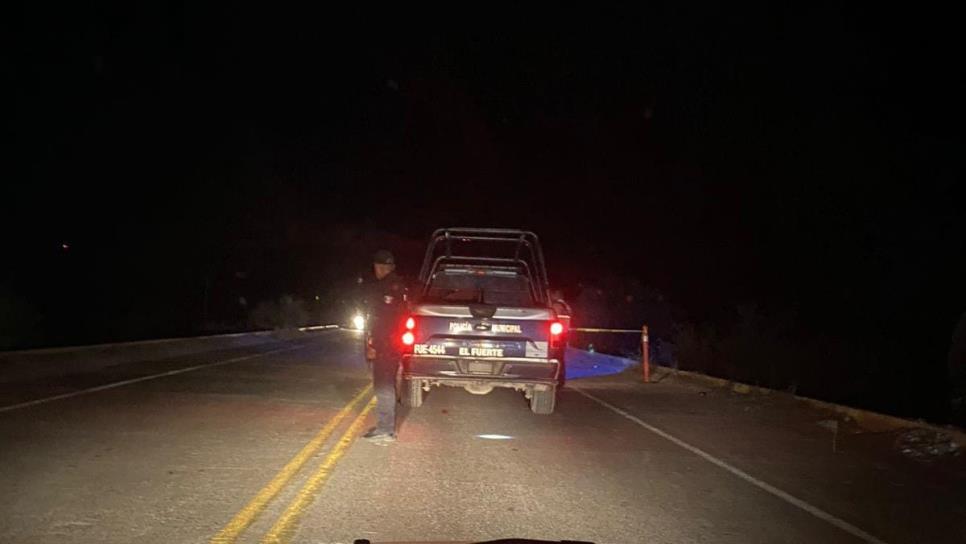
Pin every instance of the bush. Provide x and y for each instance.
(755, 348)
(18, 321)
(285, 313)
(695, 347)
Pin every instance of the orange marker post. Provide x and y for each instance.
(645, 356)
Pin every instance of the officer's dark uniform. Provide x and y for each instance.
(386, 307)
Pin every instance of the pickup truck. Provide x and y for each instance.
(481, 317)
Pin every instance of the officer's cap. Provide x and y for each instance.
(383, 257)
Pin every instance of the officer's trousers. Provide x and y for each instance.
(384, 382)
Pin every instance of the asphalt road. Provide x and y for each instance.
(258, 444)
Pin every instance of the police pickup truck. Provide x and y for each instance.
(481, 318)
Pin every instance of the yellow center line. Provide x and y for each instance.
(247, 515)
(283, 528)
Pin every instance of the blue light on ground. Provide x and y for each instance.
(583, 364)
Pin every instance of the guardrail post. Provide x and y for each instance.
(645, 356)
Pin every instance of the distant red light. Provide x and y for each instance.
(410, 324)
(556, 328)
(408, 338)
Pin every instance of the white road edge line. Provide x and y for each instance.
(141, 379)
(791, 499)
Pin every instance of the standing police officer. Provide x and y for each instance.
(386, 305)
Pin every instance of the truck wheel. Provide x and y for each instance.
(543, 402)
(413, 397)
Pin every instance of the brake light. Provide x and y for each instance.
(556, 328)
(408, 338)
(410, 324)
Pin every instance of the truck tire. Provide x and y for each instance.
(543, 402)
(413, 394)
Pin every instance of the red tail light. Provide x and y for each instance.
(408, 338)
(410, 324)
(556, 328)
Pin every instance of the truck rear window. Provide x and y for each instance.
(469, 286)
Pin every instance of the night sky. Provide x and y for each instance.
(805, 160)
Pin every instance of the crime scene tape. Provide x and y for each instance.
(586, 329)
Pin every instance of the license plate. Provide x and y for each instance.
(429, 349)
(476, 367)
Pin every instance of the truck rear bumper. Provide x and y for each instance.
(497, 372)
